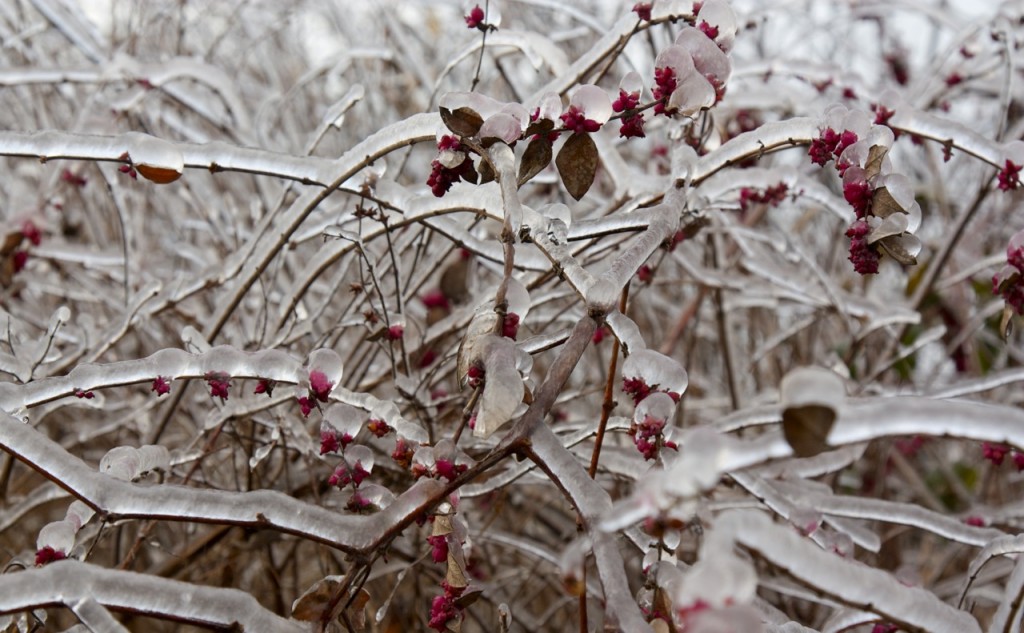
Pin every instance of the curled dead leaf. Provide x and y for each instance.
(462, 121)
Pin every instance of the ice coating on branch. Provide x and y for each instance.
(833, 575)
(703, 455)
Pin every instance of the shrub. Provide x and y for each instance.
(672, 317)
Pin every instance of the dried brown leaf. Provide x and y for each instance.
(883, 204)
(807, 427)
(462, 121)
(893, 247)
(536, 157)
(577, 164)
(875, 157)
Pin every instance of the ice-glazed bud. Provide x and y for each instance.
(805, 520)
(422, 461)
(1013, 162)
(483, 323)
(157, 160)
(833, 117)
(475, 17)
(78, 514)
(518, 298)
(900, 188)
(880, 135)
(121, 462)
(490, 17)
(557, 211)
(503, 389)
(593, 102)
(693, 94)
(483, 105)
(632, 83)
(811, 399)
(327, 362)
(720, 20)
(548, 107)
(451, 156)
(59, 535)
(370, 496)
(127, 463)
(895, 224)
(676, 57)
(154, 457)
(658, 406)
(572, 566)
(719, 579)
(344, 419)
(657, 372)
(503, 127)
(359, 454)
(860, 123)
(708, 59)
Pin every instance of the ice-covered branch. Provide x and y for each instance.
(267, 509)
(591, 501)
(846, 581)
(70, 582)
(273, 235)
(215, 157)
